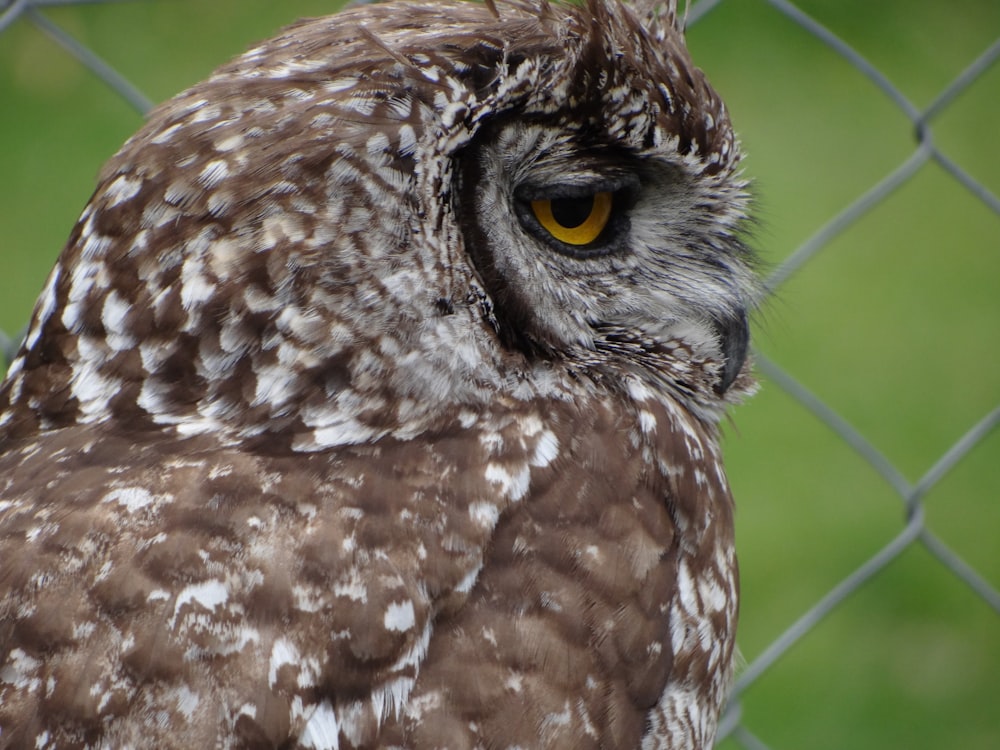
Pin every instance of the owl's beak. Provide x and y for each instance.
(734, 338)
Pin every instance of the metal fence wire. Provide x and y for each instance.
(914, 531)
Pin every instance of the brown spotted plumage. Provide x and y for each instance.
(373, 401)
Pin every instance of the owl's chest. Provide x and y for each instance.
(564, 639)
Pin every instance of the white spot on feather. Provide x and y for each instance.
(229, 143)
(322, 731)
(399, 616)
(407, 140)
(187, 701)
(195, 287)
(390, 699)
(484, 514)
(21, 670)
(468, 580)
(377, 144)
(546, 450)
(512, 485)
(122, 189)
(114, 313)
(130, 498)
(352, 586)
(554, 720)
(283, 652)
(209, 594)
(46, 305)
(165, 135)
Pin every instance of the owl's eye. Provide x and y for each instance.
(575, 221)
(581, 221)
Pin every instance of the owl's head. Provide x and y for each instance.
(600, 203)
(400, 206)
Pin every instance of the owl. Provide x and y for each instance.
(374, 400)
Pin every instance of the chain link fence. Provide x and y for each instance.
(914, 530)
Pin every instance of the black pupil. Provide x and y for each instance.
(572, 212)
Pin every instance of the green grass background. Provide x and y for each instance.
(895, 325)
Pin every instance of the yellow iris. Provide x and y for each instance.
(575, 221)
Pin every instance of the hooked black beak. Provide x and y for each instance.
(734, 339)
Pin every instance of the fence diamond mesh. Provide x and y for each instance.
(745, 34)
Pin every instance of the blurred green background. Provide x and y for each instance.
(895, 324)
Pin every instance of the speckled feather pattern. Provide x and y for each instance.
(312, 445)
